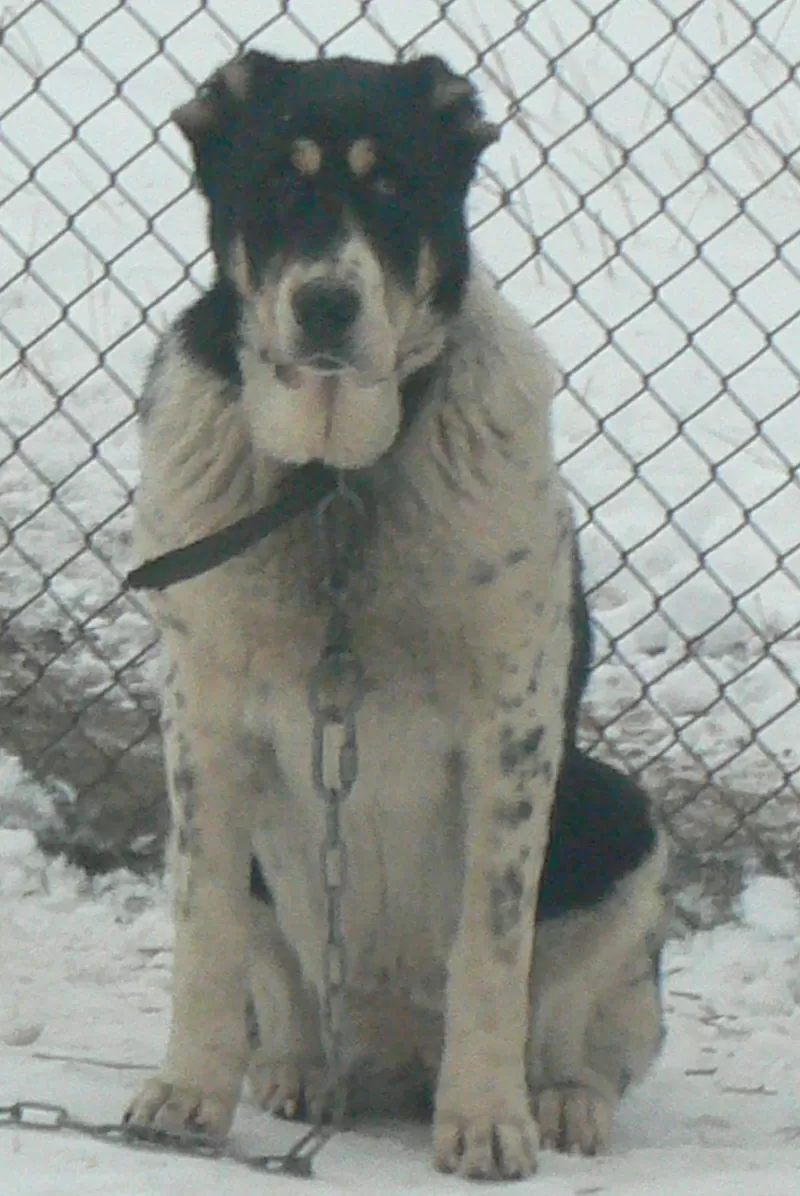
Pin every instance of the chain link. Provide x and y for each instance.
(335, 692)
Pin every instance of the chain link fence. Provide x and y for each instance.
(642, 208)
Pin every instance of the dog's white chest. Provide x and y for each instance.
(402, 832)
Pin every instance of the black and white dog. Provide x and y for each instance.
(504, 907)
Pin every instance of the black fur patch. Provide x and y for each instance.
(208, 330)
(517, 555)
(515, 752)
(505, 902)
(482, 573)
(258, 885)
(601, 830)
(515, 813)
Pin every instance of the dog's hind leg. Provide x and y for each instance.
(596, 1021)
(287, 1069)
(199, 1085)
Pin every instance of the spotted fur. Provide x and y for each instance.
(348, 325)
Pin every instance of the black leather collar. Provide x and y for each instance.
(301, 490)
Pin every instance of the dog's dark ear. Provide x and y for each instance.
(455, 99)
(208, 114)
(208, 120)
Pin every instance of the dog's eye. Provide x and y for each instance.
(382, 185)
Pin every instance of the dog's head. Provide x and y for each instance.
(336, 208)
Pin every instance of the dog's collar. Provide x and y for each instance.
(302, 489)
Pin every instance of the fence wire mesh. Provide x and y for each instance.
(642, 209)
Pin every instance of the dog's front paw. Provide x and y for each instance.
(499, 1143)
(292, 1087)
(172, 1108)
(574, 1119)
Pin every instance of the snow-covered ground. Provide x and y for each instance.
(84, 1005)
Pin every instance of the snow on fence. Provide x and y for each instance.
(642, 208)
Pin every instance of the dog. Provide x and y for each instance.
(504, 908)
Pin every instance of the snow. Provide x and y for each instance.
(84, 1011)
(685, 363)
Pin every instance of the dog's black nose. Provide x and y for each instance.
(326, 311)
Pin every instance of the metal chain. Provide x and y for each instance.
(42, 1117)
(335, 692)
